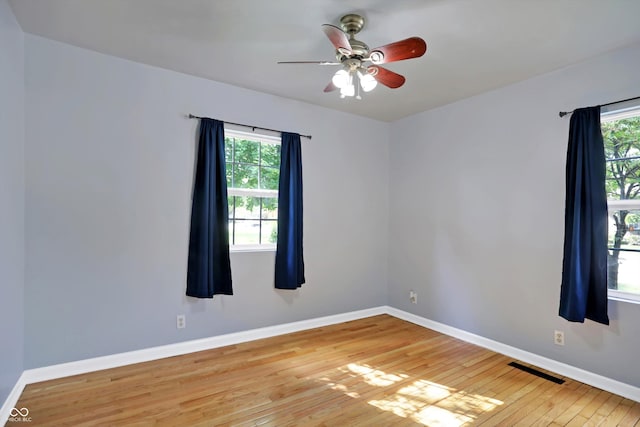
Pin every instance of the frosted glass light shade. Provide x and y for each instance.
(367, 81)
(348, 90)
(340, 79)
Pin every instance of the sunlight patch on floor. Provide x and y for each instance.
(422, 401)
(342, 388)
(375, 376)
(436, 405)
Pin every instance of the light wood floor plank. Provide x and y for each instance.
(632, 418)
(375, 371)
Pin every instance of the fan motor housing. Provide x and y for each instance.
(359, 48)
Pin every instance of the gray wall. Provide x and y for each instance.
(480, 232)
(110, 160)
(11, 199)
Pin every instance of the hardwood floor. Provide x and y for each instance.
(379, 371)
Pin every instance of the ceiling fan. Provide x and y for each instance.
(354, 56)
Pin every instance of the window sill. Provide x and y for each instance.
(624, 296)
(252, 248)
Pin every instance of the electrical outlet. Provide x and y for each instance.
(413, 297)
(181, 321)
(558, 338)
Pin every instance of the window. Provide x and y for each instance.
(253, 169)
(621, 133)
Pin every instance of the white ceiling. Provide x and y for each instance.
(473, 45)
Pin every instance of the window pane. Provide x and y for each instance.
(245, 176)
(269, 208)
(624, 251)
(247, 152)
(269, 232)
(247, 207)
(622, 150)
(229, 172)
(271, 155)
(228, 149)
(247, 232)
(269, 178)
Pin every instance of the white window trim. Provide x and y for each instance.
(252, 192)
(629, 297)
(619, 111)
(267, 247)
(624, 205)
(233, 132)
(265, 139)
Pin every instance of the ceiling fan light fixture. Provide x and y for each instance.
(349, 90)
(341, 79)
(367, 81)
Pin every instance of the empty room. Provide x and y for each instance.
(284, 213)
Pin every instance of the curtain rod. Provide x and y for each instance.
(564, 113)
(191, 116)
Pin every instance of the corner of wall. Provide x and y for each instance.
(12, 196)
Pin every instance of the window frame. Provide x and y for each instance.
(611, 113)
(232, 132)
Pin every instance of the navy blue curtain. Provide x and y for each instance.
(584, 270)
(209, 268)
(289, 272)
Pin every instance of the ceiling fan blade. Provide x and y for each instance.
(330, 87)
(412, 47)
(338, 38)
(386, 77)
(310, 62)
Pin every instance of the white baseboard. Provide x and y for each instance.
(11, 400)
(154, 353)
(115, 360)
(595, 380)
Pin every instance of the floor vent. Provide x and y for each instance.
(537, 373)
